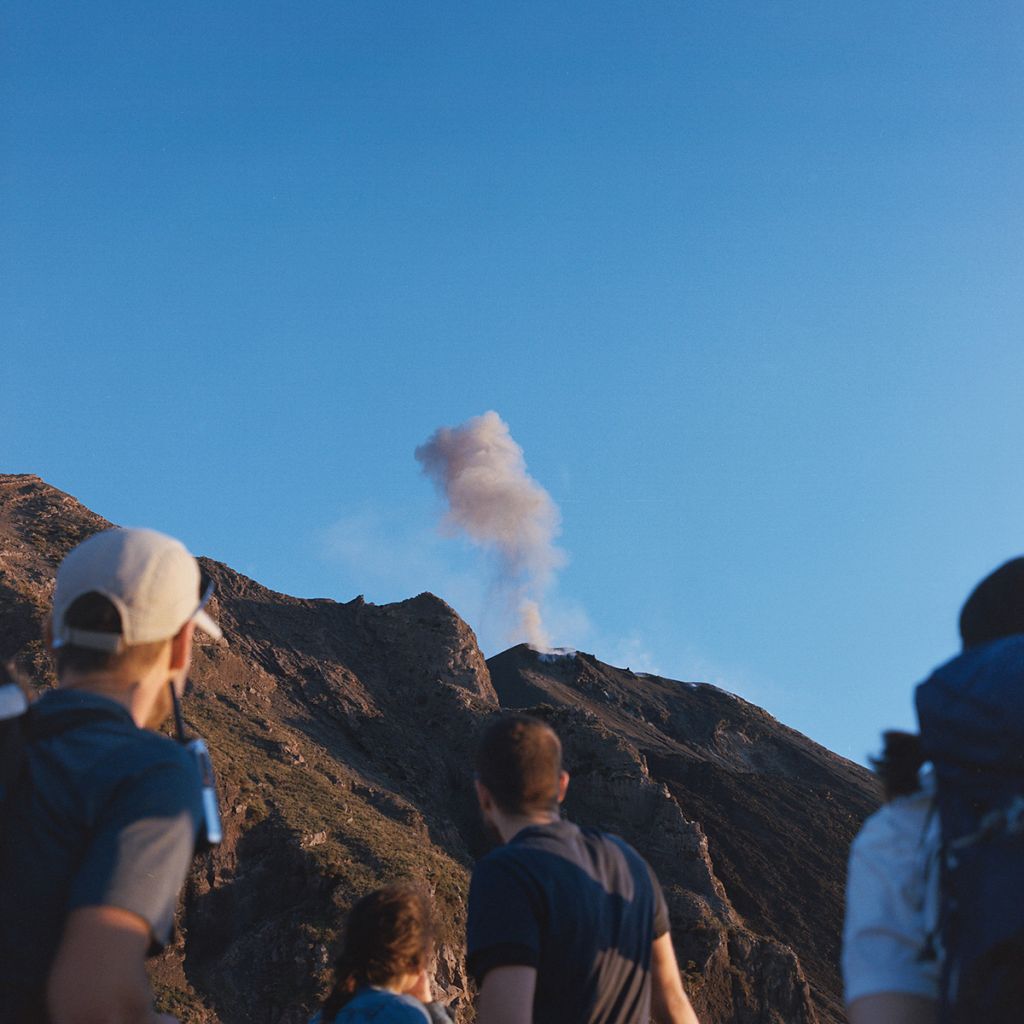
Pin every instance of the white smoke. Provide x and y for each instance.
(533, 625)
(491, 498)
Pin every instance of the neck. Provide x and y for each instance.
(144, 697)
(118, 690)
(510, 825)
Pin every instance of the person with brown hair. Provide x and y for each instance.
(566, 925)
(382, 972)
(100, 826)
(889, 976)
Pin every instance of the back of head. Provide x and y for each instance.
(996, 606)
(388, 934)
(520, 761)
(899, 764)
(120, 597)
(96, 614)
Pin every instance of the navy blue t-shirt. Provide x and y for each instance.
(583, 908)
(107, 816)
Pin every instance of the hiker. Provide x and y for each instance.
(935, 913)
(971, 717)
(382, 974)
(101, 825)
(889, 975)
(566, 925)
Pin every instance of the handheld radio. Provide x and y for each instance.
(210, 831)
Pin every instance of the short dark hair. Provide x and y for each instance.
(899, 764)
(388, 933)
(519, 760)
(996, 606)
(98, 614)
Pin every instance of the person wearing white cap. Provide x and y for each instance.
(101, 829)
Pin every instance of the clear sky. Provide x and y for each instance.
(743, 279)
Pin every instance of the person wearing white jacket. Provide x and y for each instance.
(890, 965)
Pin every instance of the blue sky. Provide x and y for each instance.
(744, 279)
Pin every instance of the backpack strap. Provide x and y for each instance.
(13, 743)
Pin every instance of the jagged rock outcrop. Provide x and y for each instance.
(343, 738)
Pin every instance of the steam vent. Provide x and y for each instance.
(343, 735)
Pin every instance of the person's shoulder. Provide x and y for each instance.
(613, 848)
(382, 1007)
(146, 760)
(611, 841)
(98, 740)
(598, 835)
(155, 749)
(904, 821)
(408, 1010)
(529, 851)
(499, 861)
(98, 721)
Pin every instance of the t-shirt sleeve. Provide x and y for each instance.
(143, 845)
(503, 920)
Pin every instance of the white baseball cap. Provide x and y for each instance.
(150, 578)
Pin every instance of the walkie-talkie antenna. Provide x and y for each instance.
(179, 721)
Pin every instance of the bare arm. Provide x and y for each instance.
(99, 974)
(507, 996)
(892, 1008)
(669, 1002)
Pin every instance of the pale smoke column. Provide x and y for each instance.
(492, 499)
(532, 625)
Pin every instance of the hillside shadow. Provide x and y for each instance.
(249, 946)
(19, 624)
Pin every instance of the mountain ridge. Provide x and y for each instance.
(343, 736)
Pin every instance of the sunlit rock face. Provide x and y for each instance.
(343, 737)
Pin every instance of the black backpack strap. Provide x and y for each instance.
(13, 747)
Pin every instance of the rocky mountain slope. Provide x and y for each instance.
(343, 738)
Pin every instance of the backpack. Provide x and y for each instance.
(971, 717)
(13, 736)
(18, 729)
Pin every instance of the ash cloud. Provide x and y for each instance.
(480, 471)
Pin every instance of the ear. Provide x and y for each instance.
(483, 796)
(181, 647)
(563, 784)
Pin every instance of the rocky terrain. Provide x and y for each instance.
(343, 738)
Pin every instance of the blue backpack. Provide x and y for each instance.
(971, 717)
(18, 728)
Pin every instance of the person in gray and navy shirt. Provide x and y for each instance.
(100, 828)
(566, 925)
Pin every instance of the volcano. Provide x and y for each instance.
(343, 737)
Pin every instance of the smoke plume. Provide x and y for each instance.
(492, 499)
